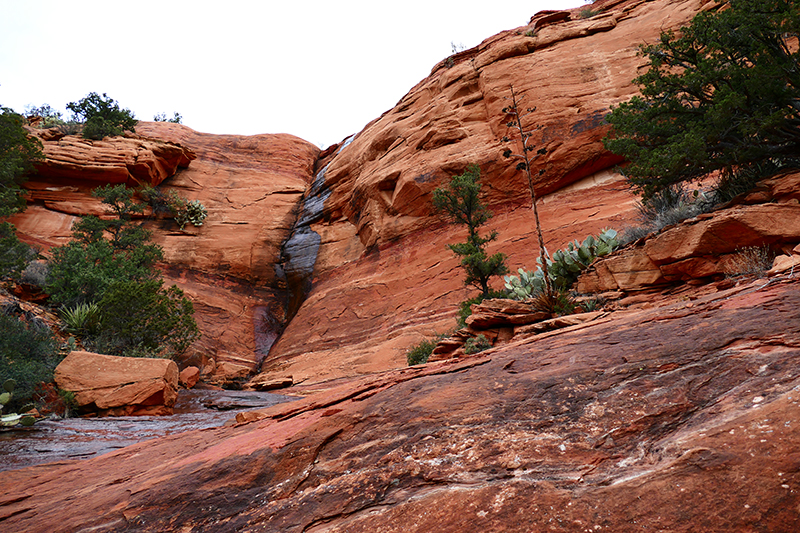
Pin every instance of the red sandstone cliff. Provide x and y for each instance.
(676, 412)
(384, 278)
(251, 186)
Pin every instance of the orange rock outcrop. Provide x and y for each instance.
(250, 185)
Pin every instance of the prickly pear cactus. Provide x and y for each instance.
(12, 419)
(565, 266)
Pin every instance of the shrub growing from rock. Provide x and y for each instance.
(28, 355)
(143, 318)
(460, 202)
(102, 117)
(720, 94)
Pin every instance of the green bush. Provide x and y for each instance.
(14, 254)
(28, 355)
(719, 94)
(182, 210)
(81, 270)
(142, 317)
(18, 151)
(476, 344)
(102, 116)
(420, 353)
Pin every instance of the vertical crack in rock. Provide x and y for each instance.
(299, 252)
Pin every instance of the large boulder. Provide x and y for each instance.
(119, 386)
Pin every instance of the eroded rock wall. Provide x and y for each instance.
(251, 186)
(384, 279)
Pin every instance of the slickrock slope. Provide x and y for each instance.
(251, 186)
(680, 417)
(383, 277)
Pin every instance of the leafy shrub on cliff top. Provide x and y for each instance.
(102, 116)
(720, 94)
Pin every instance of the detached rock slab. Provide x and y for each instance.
(119, 386)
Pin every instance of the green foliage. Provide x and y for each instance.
(81, 320)
(102, 116)
(162, 117)
(182, 210)
(721, 95)
(17, 154)
(82, 270)
(563, 268)
(460, 202)
(476, 344)
(14, 255)
(142, 316)
(420, 353)
(28, 355)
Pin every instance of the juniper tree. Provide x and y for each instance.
(720, 94)
(460, 202)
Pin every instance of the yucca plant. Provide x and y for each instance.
(81, 320)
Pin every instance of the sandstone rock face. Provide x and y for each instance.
(119, 386)
(250, 185)
(704, 247)
(384, 279)
(682, 417)
(132, 160)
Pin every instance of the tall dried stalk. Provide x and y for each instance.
(524, 138)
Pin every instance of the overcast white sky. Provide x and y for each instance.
(320, 70)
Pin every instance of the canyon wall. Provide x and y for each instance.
(251, 186)
(344, 242)
(384, 279)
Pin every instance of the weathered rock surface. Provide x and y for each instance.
(682, 417)
(132, 160)
(705, 246)
(250, 185)
(383, 278)
(119, 386)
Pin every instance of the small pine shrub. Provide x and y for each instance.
(476, 344)
(420, 353)
(28, 355)
(102, 116)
